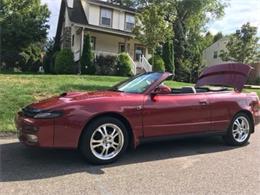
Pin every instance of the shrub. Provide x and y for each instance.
(158, 65)
(124, 65)
(254, 81)
(106, 65)
(64, 63)
(87, 65)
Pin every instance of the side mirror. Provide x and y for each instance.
(153, 95)
(160, 90)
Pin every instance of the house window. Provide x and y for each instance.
(129, 22)
(72, 40)
(93, 43)
(215, 54)
(139, 51)
(106, 17)
(122, 48)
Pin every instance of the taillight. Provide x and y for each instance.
(256, 106)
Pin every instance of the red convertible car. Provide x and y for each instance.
(103, 124)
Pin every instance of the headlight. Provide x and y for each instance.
(47, 115)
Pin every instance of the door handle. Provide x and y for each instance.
(203, 102)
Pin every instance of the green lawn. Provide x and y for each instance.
(16, 91)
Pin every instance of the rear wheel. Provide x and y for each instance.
(239, 131)
(104, 140)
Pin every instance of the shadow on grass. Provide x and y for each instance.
(20, 163)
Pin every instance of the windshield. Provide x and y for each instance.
(139, 83)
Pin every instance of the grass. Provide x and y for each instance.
(17, 91)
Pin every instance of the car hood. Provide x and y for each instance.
(71, 97)
(230, 75)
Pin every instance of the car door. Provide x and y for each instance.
(169, 114)
(220, 104)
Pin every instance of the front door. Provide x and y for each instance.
(139, 51)
(169, 114)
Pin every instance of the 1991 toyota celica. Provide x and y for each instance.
(103, 124)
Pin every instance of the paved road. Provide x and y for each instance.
(194, 166)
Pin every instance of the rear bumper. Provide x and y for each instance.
(35, 132)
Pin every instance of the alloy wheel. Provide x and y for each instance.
(107, 141)
(240, 129)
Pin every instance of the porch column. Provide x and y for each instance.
(126, 45)
(82, 41)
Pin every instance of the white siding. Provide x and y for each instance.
(208, 54)
(94, 14)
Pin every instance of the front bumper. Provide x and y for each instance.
(35, 132)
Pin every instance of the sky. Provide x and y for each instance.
(237, 13)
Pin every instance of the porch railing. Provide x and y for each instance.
(145, 64)
(104, 53)
(76, 56)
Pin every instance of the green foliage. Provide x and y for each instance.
(64, 63)
(124, 65)
(167, 56)
(23, 24)
(242, 46)
(106, 65)
(217, 37)
(127, 3)
(151, 28)
(157, 63)
(86, 61)
(31, 58)
(189, 19)
(49, 57)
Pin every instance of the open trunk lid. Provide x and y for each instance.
(230, 75)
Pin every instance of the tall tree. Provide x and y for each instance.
(242, 46)
(168, 56)
(217, 37)
(151, 29)
(86, 60)
(49, 57)
(190, 20)
(23, 22)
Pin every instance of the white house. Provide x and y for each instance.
(109, 25)
(210, 55)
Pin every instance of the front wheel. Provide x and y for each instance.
(239, 131)
(104, 140)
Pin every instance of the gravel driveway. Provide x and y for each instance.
(190, 166)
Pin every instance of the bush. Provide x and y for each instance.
(254, 81)
(124, 65)
(158, 65)
(106, 65)
(64, 63)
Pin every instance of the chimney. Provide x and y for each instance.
(70, 3)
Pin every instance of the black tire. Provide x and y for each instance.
(230, 139)
(85, 142)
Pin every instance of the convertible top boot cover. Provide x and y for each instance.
(229, 75)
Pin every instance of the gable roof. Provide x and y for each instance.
(77, 14)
